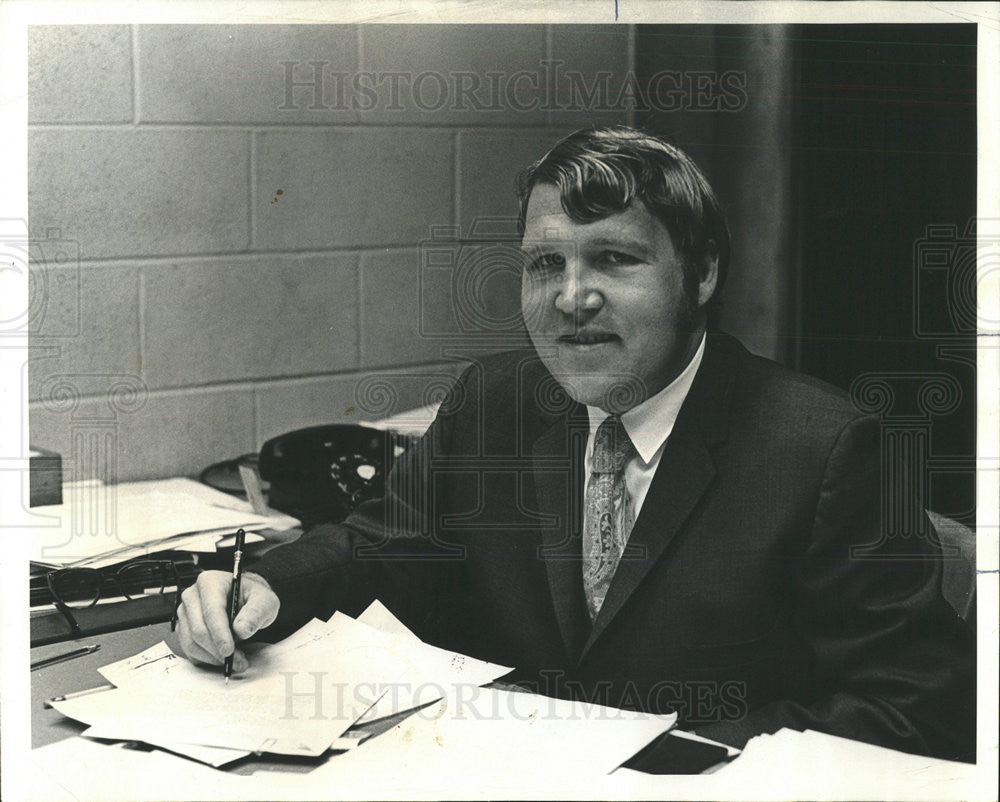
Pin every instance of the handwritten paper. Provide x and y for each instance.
(298, 697)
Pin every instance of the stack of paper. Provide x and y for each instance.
(485, 745)
(798, 763)
(99, 525)
(487, 741)
(298, 697)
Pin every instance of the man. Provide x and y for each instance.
(638, 511)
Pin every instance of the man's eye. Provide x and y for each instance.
(617, 258)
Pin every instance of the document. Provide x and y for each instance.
(293, 700)
(297, 697)
(431, 671)
(836, 764)
(301, 695)
(98, 525)
(80, 769)
(502, 741)
(214, 756)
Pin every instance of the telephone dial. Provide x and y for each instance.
(320, 474)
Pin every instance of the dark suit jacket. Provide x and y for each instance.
(738, 602)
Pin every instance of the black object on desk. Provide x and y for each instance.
(674, 754)
(45, 477)
(52, 627)
(322, 473)
(64, 656)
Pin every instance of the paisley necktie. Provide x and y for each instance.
(608, 514)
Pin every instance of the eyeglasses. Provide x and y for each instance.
(80, 588)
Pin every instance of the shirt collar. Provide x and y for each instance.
(649, 424)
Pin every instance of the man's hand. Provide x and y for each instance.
(203, 617)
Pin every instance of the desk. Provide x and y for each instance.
(817, 766)
(49, 725)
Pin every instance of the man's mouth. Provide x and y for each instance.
(588, 338)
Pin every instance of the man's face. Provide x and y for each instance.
(605, 302)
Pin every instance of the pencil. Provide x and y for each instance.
(234, 604)
(48, 702)
(59, 658)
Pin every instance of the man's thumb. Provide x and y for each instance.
(259, 611)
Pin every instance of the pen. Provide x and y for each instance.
(234, 604)
(59, 658)
(48, 702)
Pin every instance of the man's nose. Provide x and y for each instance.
(577, 291)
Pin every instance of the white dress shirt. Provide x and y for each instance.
(648, 425)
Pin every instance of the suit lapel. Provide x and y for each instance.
(686, 469)
(685, 472)
(558, 477)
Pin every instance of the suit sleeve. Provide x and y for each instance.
(387, 548)
(894, 664)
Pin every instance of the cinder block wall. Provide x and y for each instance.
(242, 247)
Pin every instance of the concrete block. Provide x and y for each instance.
(414, 311)
(176, 434)
(127, 192)
(241, 318)
(401, 322)
(245, 73)
(441, 74)
(79, 73)
(87, 329)
(591, 84)
(489, 163)
(354, 398)
(350, 188)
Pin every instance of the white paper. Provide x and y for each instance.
(134, 518)
(378, 617)
(84, 769)
(295, 698)
(834, 764)
(497, 740)
(212, 755)
(431, 673)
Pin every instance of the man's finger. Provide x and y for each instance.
(213, 597)
(195, 653)
(190, 628)
(191, 631)
(240, 662)
(259, 609)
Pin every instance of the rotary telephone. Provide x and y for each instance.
(320, 474)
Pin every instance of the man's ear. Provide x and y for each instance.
(708, 273)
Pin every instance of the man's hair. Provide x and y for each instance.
(601, 171)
